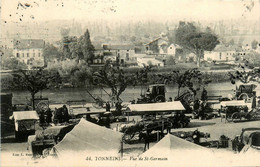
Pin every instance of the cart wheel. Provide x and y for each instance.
(236, 116)
(243, 96)
(159, 98)
(45, 152)
(42, 106)
(188, 98)
(127, 138)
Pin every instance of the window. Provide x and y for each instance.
(127, 50)
(28, 61)
(220, 54)
(28, 54)
(170, 47)
(244, 53)
(17, 54)
(39, 54)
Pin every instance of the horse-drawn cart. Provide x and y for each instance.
(237, 110)
(135, 132)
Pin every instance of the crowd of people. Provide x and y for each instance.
(60, 115)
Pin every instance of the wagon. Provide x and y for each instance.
(155, 93)
(237, 110)
(135, 132)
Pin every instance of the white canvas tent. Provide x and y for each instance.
(156, 107)
(178, 152)
(87, 138)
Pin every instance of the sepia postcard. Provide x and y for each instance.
(130, 83)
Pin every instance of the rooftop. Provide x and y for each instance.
(113, 47)
(28, 43)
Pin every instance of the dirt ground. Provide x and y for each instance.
(215, 127)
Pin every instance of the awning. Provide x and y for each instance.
(84, 111)
(233, 103)
(156, 107)
(25, 115)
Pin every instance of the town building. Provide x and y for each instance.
(221, 53)
(121, 54)
(160, 48)
(29, 51)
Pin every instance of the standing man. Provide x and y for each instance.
(65, 114)
(170, 99)
(49, 115)
(146, 139)
(108, 107)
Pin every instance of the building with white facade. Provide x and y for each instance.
(221, 53)
(29, 51)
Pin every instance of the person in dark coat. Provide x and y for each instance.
(58, 115)
(196, 136)
(49, 116)
(26, 108)
(108, 107)
(146, 140)
(254, 103)
(170, 99)
(118, 108)
(65, 114)
(41, 116)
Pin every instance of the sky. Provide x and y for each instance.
(124, 10)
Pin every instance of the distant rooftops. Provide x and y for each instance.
(28, 43)
(114, 47)
(222, 48)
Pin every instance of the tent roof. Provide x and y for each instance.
(25, 115)
(180, 153)
(156, 107)
(171, 142)
(87, 137)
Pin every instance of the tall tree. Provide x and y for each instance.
(86, 47)
(69, 47)
(12, 64)
(33, 81)
(50, 52)
(191, 79)
(114, 78)
(244, 74)
(191, 38)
